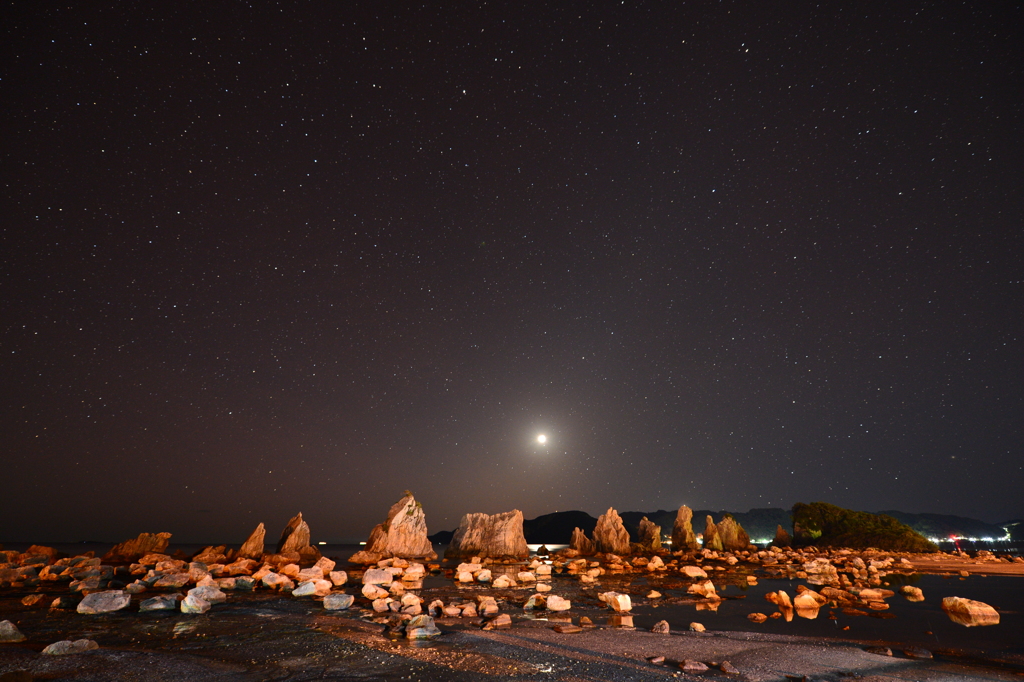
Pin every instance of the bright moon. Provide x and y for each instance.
(542, 438)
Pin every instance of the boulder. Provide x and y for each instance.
(252, 548)
(581, 543)
(163, 602)
(9, 632)
(312, 588)
(661, 628)
(377, 576)
(912, 593)
(132, 550)
(619, 603)
(649, 535)
(693, 572)
(194, 604)
(968, 612)
(610, 535)
(403, 534)
(79, 646)
(421, 627)
(209, 593)
(104, 602)
(732, 535)
(711, 539)
(498, 536)
(338, 601)
(556, 603)
(502, 621)
(683, 537)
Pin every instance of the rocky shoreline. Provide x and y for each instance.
(292, 613)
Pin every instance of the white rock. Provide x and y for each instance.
(338, 601)
(104, 602)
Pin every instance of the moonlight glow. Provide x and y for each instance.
(542, 439)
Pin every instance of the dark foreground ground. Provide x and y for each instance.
(267, 636)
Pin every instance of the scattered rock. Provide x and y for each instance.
(33, 599)
(912, 593)
(654, 594)
(968, 612)
(500, 622)
(63, 602)
(656, 660)
(689, 666)
(917, 652)
(556, 603)
(879, 650)
(163, 602)
(338, 601)
(104, 602)
(693, 572)
(9, 632)
(661, 627)
(403, 534)
(757, 617)
(567, 628)
(620, 603)
(193, 604)
(728, 668)
(79, 646)
(209, 593)
(697, 627)
(421, 627)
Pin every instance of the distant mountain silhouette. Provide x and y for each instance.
(556, 528)
(943, 526)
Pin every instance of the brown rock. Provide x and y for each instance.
(610, 536)
(132, 550)
(252, 548)
(650, 535)
(403, 534)
(757, 617)
(567, 629)
(782, 538)
(732, 535)
(581, 543)
(661, 627)
(711, 539)
(496, 536)
(295, 538)
(968, 612)
(683, 537)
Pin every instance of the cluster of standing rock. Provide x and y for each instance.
(397, 555)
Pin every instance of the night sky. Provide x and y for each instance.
(280, 257)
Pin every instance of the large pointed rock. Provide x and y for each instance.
(489, 535)
(295, 540)
(711, 539)
(403, 534)
(132, 550)
(968, 612)
(252, 548)
(683, 537)
(782, 538)
(581, 543)
(650, 535)
(610, 536)
(732, 535)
